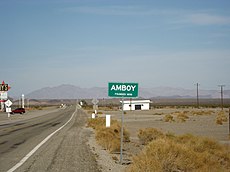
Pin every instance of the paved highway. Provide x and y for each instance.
(65, 150)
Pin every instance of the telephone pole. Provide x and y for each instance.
(197, 95)
(221, 95)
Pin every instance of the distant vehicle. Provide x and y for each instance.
(18, 110)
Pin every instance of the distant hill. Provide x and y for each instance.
(73, 92)
(67, 92)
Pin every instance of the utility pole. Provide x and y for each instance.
(197, 95)
(221, 95)
(229, 123)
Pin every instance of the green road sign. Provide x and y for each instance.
(122, 89)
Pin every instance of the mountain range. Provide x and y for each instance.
(66, 91)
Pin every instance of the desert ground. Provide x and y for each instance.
(199, 122)
(196, 124)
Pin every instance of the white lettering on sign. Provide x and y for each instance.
(123, 87)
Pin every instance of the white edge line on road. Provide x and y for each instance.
(23, 160)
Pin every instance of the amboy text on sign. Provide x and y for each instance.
(123, 87)
(123, 90)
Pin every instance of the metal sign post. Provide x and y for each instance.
(122, 90)
(122, 123)
(95, 106)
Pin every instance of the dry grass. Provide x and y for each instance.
(182, 117)
(221, 117)
(90, 112)
(95, 123)
(182, 153)
(108, 108)
(108, 138)
(158, 113)
(202, 112)
(168, 118)
(199, 144)
(149, 134)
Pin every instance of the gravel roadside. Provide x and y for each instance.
(67, 150)
(104, 158)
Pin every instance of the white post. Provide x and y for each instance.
(93, 115)
(23, 101)
(107, 121)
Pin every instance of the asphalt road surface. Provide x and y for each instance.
(66, 150)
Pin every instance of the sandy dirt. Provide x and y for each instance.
(199, 125)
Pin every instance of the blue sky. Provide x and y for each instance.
(89, 43)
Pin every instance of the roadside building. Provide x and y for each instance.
(136, 104)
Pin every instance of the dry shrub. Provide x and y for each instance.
(168, 118)
(108, 107)
(202, 112)
(165, 155)
(199, 144)
(90, 112)
(182, 117)
(185, 111)
(216, 155)
(177, 112)
(221, 117)
(158, 113)
(182, 153)
(148, 134)
(108, 138)
(95, 123)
